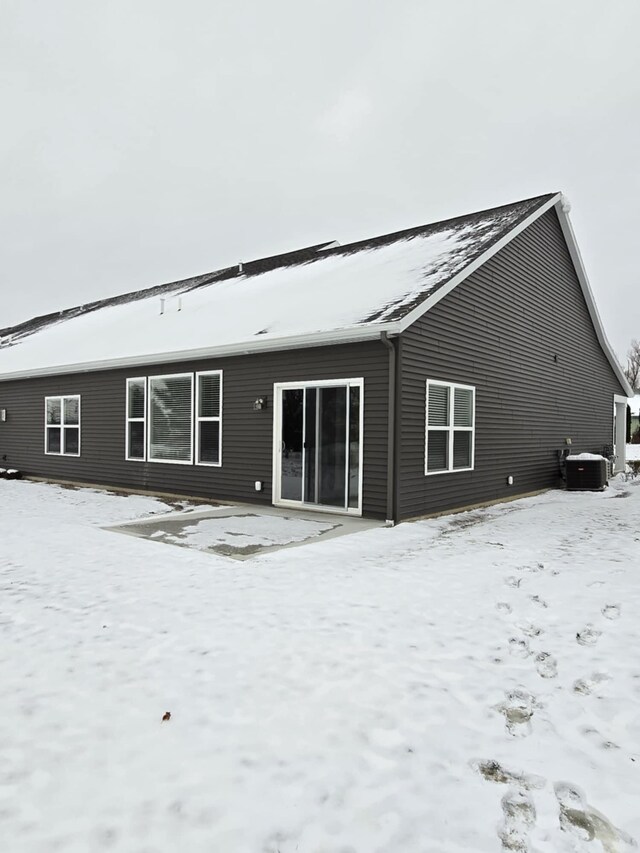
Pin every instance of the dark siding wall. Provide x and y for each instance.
(501, 330)
(247, 435)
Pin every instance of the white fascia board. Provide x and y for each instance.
(353, 334)
(560, 203)
(576, 257)
(441, 292)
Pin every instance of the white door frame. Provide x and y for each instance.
(619, 433)
(278, 388)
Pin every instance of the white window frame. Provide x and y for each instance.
(128, 420)
(197, 420)
(61, 426)
(148, 434)
(450, 429)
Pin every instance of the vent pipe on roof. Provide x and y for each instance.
(161, 305)
(240, 268)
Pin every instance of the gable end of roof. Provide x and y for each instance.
(562, 207)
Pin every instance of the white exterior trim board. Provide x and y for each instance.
(560, 203)
(441, 292)
(576, 257)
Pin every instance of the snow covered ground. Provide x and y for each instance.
(469, 683)
(633, 451)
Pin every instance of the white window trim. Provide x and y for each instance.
(197, 420)
(451, 429)
(148, 433)
(61, 425)
(128, 420)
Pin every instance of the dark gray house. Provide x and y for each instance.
(429, 369)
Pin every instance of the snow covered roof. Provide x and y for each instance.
(325, 293)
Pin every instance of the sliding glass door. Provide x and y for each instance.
(318, 445)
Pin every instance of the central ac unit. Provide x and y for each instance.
(586, 472)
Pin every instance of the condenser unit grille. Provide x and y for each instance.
(586, 474)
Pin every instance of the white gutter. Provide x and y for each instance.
(353, 334)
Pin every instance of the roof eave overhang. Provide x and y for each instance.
(352, 334)
(562, 209)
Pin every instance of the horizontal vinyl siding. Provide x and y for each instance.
(500, 330)
(247, 435)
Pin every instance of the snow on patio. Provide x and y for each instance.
(463, 684)
(233, 534)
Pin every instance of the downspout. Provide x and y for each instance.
(391, 431)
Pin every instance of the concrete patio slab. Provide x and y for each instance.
(244, 530)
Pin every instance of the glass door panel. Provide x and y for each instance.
(353, 484)
(292, 443)
(311, 446)
(332, 419)
(320, 445)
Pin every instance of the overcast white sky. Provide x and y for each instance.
(147, 140)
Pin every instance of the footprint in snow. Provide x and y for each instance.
(583, 686)
(519, 817)
(611, 611)
(531, 567)
(493, 771)
(579, 819)
(519, 648)
(539, 601)
(589, 636)
(503, 607)
(546, 665)
(530, 629)
(586, 686)
(518, 710)
(595, 736)
(513, 581)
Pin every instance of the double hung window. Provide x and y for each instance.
(136, 419)
(208, 416)
(62, 425)
(450, 427)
